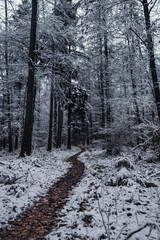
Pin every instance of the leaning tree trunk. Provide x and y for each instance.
(151, 56)
(29, 117)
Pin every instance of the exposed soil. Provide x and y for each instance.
(38, 220)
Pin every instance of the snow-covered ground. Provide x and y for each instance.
(96, 210)
(24, 180)
(97, 207)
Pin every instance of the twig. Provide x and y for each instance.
(12, 181)
(108, 215)
(117, 238)
(136, 218)
(102, 218)
(141, 228)
(150, 230)
(153, 5)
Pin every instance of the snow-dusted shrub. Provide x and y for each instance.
(6, 177)
(124, 173)
(123, 163)
(149, 137)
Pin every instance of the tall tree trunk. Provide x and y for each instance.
(55, 121)
(50, 137)
(69, 118)
(87, 133)
(107, 91)
(131, 70)
(69, 106)
(151, 56)
(102, 85)
(3, 114)
(60, 125)
(91, 126)
(101, 68)
(39, 107)
(18, 118)
(108, 107)
(7, 82)
(30, 104)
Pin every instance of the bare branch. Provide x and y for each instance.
(139, 37)
(153, 5)
(141, 228)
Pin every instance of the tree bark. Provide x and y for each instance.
(69, 106)
(49, 148)
(60, 125)
(55, 121)
(29, 117)
(102, 85)
(10, 146)
(131, 70)
(69, 119)
(3, 114)
(108, 107)
(151, 56)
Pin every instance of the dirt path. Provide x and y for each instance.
(38, 221)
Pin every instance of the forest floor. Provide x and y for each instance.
(118, 197)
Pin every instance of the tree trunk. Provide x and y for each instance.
(3, 114)
(108, 108)
(69, 119)
(102, 85)
(49, 148)
(90, 130)
(7, 82)
(87, 133)
(55, 122)
(131, 68)
(69, 107)
(29, 117)
(60, 125)
(16, 142)
(151, 56)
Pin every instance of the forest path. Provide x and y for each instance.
(38, 220)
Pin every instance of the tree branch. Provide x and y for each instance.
(153, 5)
(141, 228)
(139, 37)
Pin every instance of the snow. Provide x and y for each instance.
(24, 180)
(96, 210)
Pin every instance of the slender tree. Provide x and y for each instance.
(50, 135)
(60, 126)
